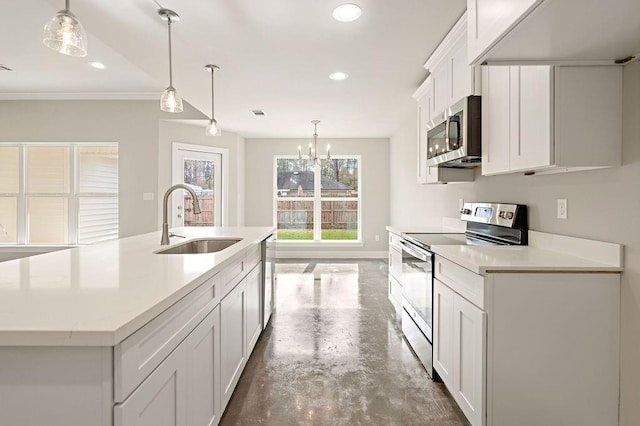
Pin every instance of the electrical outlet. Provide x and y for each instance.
(377, 237)
(562, 208)
(460, 204)
(147, 196)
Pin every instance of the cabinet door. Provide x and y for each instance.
(496, 102)
(469, 359)
(203, 372)
(443, 332)
(441, 81)
(233, 355)
(395, 263)
(531, 119)
(424, 108)
(161, 400)
(490, 20)
(461, 72)
(252, 312)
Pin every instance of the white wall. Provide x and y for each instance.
(133, 124)
(602, 205)
(184, 132)
(374, 186)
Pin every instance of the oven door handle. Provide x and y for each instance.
(414, 252)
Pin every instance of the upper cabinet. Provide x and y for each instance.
(568, 31)
(451, 76)
(544, 119)
(451, 79)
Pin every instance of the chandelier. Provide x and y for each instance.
(313, 147)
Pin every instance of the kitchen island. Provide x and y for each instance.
(116, 333)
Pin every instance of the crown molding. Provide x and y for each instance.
(80, 96)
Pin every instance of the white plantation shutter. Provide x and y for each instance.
(49, 170)
(58, 193)
(9, 169)
(98, 193)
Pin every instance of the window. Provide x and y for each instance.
(312, 209)
(58, 193)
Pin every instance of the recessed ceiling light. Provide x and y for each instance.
(348, 12)
(338, 76)
(97, 65)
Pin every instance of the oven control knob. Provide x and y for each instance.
(465, 211)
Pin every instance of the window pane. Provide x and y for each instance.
(295, 220)
(48, 222)
(48, 170)
(8, 220)
(295, 177)
(340, 220)
(98, 169)
(340, 178)
(199, 175)
(9, 169)
(97, 219)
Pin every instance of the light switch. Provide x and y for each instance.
(147, 196)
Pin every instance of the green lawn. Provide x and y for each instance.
(327, 234)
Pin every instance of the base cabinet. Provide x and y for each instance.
(233, 340)
(459, 348)
(203, 372)
(528, 349)
(161, 399)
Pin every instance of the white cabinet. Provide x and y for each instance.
(459, 340)
(452, 77)
(232, 340)
(161, 399)
(552, 31)
(494, 350)
(544, 119)
(253, 320)
(203, 372)
(443, 332)
(489, 20)
(394, 291)
(469, 359)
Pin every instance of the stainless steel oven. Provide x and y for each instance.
(487, 224)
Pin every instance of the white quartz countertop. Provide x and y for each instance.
(98, 295)
(448, 226)
(484, 259)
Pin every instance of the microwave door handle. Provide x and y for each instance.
(447, 123)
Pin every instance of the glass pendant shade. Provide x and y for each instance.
(170, 100)
(212, 128)
(65, 34)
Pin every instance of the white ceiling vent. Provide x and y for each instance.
(258, 112)
(4, 68)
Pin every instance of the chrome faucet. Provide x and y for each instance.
(165, 225)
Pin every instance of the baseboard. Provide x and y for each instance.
(330, 254)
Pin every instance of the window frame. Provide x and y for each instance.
(72, 197)
(317, 203)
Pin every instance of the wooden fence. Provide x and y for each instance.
(203, 219)
(298, 214)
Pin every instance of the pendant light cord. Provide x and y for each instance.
(213, 71)
(66, 5)
(170, 68)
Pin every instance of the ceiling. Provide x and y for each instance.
(274, 55)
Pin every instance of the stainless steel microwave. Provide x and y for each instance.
(454, 137)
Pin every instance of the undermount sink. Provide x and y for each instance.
(203, 245)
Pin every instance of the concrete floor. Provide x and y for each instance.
(334, 355)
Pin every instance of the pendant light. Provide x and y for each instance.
(212, 128)
(170, 100)
(313, 147)
(65, 34)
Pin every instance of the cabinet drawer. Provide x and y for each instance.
(253, 256)
(394, 241)
(461, 280)
(395, 264)
(139, 354)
